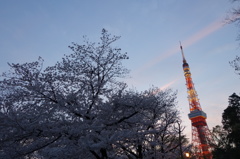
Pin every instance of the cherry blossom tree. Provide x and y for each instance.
(79, 109)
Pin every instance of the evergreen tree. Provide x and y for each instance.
(231, 120)
(227, 136)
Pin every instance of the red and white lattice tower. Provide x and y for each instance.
(201, 136)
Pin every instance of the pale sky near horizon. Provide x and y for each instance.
(150, 32)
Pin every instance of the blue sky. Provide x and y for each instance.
(150, 32)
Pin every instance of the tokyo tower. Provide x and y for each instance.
(201, 136)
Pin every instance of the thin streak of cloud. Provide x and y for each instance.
(167, 85)
(157, 59)
(204, 32)
(212, 27)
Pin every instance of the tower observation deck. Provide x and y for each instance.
(200, 133)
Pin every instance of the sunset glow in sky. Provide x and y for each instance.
(150, 32)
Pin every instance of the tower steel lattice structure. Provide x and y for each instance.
(201, 137)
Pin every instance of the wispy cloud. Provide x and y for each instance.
(168, 84)
(158, 59)
(212, 27)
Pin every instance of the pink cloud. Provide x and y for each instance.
(168, 84)
(212, 27)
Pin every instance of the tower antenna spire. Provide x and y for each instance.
(184, 60)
